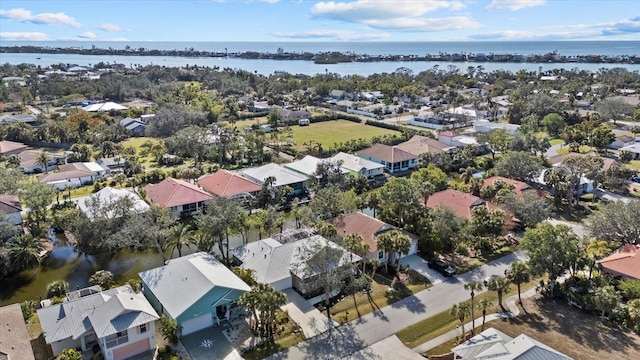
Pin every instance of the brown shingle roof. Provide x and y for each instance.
(390, 154)
(11, 147)
(14, 338)
(461, 203)
(419, 145)
(519, 185)
(558, 159)
(359, 223)
(226, 184)
(173, 192)
(625, 263)
(10, 204)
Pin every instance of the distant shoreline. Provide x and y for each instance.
(334, 57)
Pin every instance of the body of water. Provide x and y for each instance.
(267, 67)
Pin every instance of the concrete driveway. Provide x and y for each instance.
(419, 264)
(209, 343)
(310, 319)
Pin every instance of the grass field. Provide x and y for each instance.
(553, 142)
(330, 132)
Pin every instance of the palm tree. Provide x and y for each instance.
(500, 285)
(353, 243)
(43, 160)
(483, 305)
(595, 251)
(460, 311)
(180, 235)
(393, 242)
(24, 252)
(606, 299)
(374, 265)
(473, 286)
(518, 273)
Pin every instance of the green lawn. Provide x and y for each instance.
(556, 142)
(329, 133)
(634, 164)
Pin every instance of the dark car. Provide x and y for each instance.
(635, 179)
(442, 266)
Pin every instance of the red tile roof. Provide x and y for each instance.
(359, 223)
(387, 153)
(461, 203)
(227, 184)
(625, 263)
(519, 185)
(173, 192)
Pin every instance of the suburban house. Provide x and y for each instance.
(356, 164)
(112, 164)
(179, 196)
(19, 118)
(283, 177)
(224, 183)
(622, 141)
(134, 126)
(370, 229)
(519, 186)
(484, 126)
(454, 140)
(340, 95)
(281, 261)
(74, 175)
(634, 149)
(106, 198)
(14, 337)
(118, 322)
(460, 203)
(393, 159)
(496, 345)
(624, 264)
(104, 107)
(419, 145)
(10, 206)
(8, 148)
(30, 164)
(196, 290)
(308, 165)
(288, 114)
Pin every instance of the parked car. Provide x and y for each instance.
(488, 279)
(442, 266)
(635, 179)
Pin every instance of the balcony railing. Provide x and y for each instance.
(117, 341)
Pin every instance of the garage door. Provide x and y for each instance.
(131, 349)
(197, 323)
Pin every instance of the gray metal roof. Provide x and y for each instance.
(73, 318)
(121, 312)
(182, 282)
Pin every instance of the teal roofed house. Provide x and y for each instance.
(196, 290)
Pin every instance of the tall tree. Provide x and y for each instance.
(518, 273)
(518, 165)
(392, 242)
(400, 203)
(460, 311)
(37, 197)
(552, 250)
(483, 305)
(500, 285)
(606, 299)
(24, 252)
(180, 236)
(473, 286)
(43, 160)
(617, 223)
(264, 303)
(596, 250)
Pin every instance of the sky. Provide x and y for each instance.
(305, 20)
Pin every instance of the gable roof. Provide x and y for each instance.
(282, 175)
(308, 165)
(519, 185)
(22, 118)
(73, 318)
(419, 145)
(390, 154)
(174, 192)
(461, 203)
(625, 262)
(560, 158)
(10, 146)
(182, 282)
(225, 183)
(10, 204)
(368, 227)
(121, 312)
(479, 343)
(14, 338)
(72, 171)
(355, 163)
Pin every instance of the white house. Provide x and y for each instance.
(29, 162)
(109, 196)
(483, 126)
(359, 165)
(283, 177)
(118, 322)
(308, 166)
(74, 175)
(634, 149)
(622, 141)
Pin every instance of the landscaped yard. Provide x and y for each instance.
(569, 330)
(381, 295)
(40, 349)
(289, 337)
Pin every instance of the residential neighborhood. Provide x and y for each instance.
(158, 212)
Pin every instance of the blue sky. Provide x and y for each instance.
(303, 20)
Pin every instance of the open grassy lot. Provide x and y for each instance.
(569, 330)
(443, 322)
(384, 291)
(330, 132)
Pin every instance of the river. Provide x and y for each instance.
(267, 67)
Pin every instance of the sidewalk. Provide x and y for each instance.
(448, 336)
(311, 320)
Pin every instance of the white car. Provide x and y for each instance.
(488, 279)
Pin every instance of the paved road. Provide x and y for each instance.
(371, 328)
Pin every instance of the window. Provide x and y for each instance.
(143, 328)
(380, 255)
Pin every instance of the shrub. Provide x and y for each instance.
(57, 288)
(28, 308)
(102, 278)
(169, 329)
(70, 354)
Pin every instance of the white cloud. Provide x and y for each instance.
(23, 15)
(567, 32)
(330, 34)
(119, 39)
(424, 24)
(514, 5)
(87, 35)
(24, 36)
(110, 27)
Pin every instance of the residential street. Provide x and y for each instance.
(371, 328)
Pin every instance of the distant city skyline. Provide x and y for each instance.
(290, 20)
